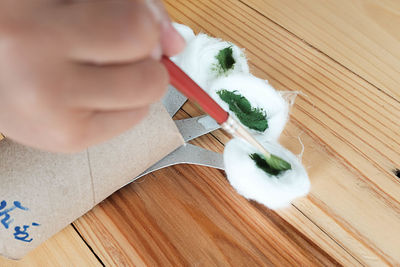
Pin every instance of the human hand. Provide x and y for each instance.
(74, 73)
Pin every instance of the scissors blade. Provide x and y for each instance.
(188, 154)
(194, 127)
(173, 100)
(190, 128)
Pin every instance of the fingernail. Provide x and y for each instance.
(156, 53)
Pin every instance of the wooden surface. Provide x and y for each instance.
(174, 217)
(64, 249)
(343, 57)
(362, 35)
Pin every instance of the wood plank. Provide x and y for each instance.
(350, 171)
(365, 192)
(295, 216)
(191, 215)
(188, 215)
(351, 129)
(64, 249)
(362, 35)
(350, 132)
(181, 220)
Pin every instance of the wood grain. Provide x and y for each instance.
(188, 215)
(347, 117)
(178, 220)
(362, 35)
(64, 249)
(352, 129)
(349, 129)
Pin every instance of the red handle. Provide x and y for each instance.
(191, 90)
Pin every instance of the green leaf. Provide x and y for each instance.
(273, 165)
(254, 118)
(225, 59)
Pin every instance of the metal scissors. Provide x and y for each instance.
(190, 129)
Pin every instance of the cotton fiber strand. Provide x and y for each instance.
(261, 95)
(253, 183)
(199, 61)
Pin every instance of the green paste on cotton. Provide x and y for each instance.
(225, 59)
(273, 165)
(253, 118)
(261, 163)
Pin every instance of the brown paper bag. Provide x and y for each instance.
(43, 192)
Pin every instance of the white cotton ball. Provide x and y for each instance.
(187, 33)
(200, 63)
(254, 183)
(260, 94)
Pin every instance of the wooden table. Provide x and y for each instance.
(344, 57)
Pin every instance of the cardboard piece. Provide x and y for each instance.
(43, 192)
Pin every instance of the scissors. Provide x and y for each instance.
(190, 129)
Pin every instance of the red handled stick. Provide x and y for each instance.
(181, 81)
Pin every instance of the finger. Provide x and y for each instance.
(113, 87)
(104, 125)
(171, 41)
(90, 128)
(106, 31)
